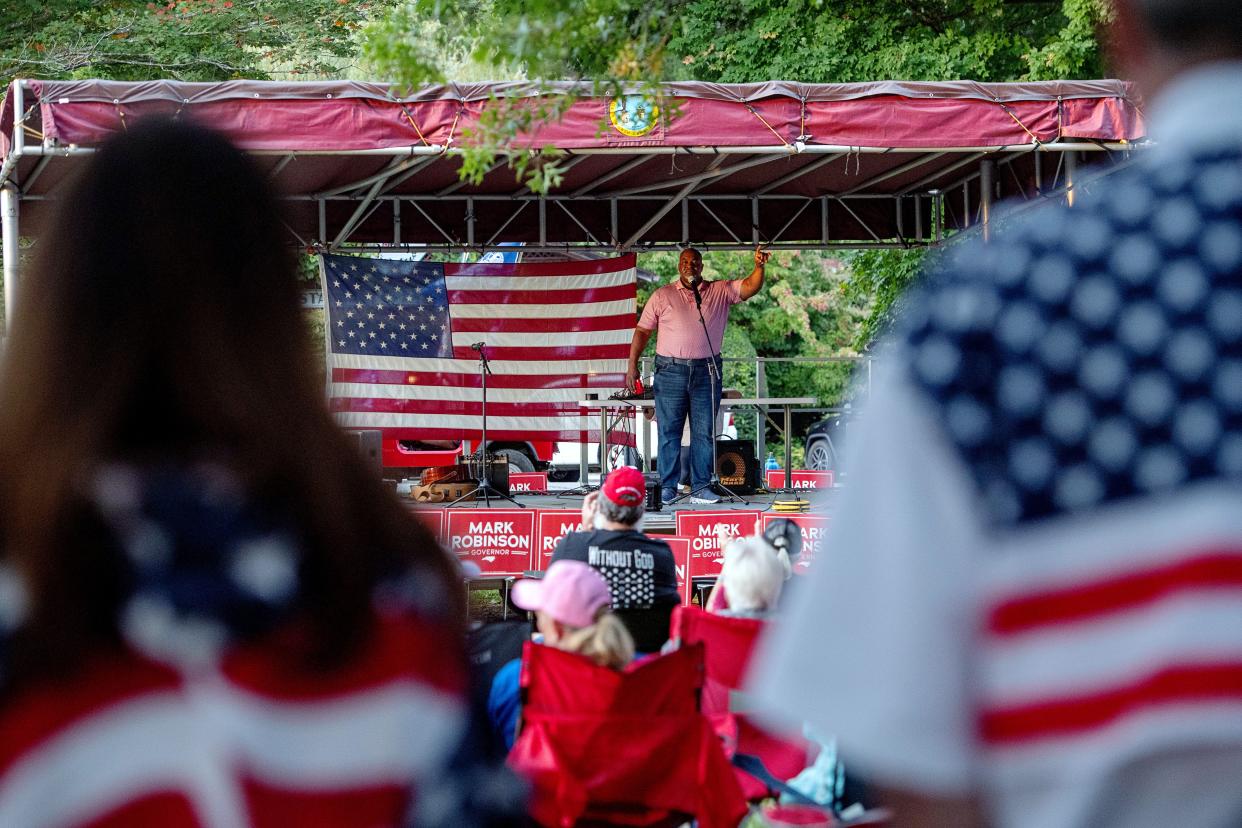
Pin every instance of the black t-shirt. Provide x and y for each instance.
(639, 569)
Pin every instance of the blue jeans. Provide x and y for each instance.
(682, 390)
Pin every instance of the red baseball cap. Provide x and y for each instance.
(625, 486)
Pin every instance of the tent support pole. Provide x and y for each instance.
(987, 185)
(8, 210)
(1071, 170)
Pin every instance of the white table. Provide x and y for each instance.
(760, 403)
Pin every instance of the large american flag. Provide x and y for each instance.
(399, 336)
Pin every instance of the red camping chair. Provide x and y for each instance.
(729, 644)
(626, 747)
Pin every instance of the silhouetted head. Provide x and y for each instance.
(161, 324)
(1152, 41)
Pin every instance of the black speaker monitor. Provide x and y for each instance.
(736, 466)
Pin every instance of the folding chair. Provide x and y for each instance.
(621, 748)
(648, 627)
(729, 644)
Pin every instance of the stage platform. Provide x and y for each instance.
(663, 521)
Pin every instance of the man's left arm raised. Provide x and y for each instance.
(753, 283)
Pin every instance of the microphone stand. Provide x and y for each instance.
(483, 485)
(713, 483)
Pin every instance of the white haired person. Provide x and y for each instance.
(782, 539)
(573, 612)
(752, 577)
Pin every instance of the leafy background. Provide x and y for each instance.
(814, 305)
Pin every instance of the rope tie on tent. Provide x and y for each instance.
(802, 136)
(417, 131)
(1009, 112)
(856, 154)
(26, 127)
(448, 142)
(1060, 116)
(121, 114)
(752, 111)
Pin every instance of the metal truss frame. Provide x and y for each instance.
(562, 221)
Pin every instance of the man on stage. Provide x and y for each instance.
(685, 354)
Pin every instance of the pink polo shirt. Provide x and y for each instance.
(671, 312)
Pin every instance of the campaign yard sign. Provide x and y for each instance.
(814, 529)
(433, 519)
(551, 526)
(701, 529)
(528, 482)
(801, 479)
(681, 565)
(499, 541)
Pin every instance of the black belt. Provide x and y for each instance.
(680, 361)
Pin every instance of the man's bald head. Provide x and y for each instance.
(690, 265)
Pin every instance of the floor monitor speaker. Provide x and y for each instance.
(736, 466)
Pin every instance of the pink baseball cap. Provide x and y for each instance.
(572, 592)
(625, 486)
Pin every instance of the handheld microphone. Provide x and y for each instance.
(478, 346)
(698, 297)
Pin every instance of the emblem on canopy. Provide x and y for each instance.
(633, 115)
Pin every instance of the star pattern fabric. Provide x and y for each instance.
(380, 307)
(1094, 354)
(631, 588)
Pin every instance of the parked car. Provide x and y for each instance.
(823, 441)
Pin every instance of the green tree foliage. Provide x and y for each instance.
(803, 311)
(883, 277)
(610, 44)
(1075, 51)
(193, 40)
(838, 41)
(606, 43)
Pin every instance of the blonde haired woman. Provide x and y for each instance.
(573, 612)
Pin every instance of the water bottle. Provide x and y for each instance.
(771, 462)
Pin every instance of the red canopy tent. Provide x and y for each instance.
(787, 164)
